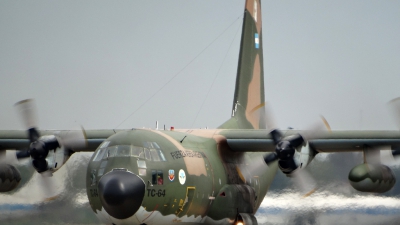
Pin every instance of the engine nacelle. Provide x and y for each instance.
(303, 155)
(372, 178)
(56, 159)
(9, 177)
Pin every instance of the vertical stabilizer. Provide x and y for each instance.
(248, 110)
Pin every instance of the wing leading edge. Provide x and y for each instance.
(334, 141)
(18, 139)
(241, 140)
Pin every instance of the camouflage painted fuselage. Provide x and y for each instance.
(196, 178)
(189, 176)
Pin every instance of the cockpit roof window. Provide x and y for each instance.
(153, 152)
(154, 155)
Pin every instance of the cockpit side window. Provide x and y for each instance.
(160, 178)
(154, 155)
(161, 154)
(104, 144)
(153, 177)
(99, 154)
(147, 154)
(157, 177)
(154, 151)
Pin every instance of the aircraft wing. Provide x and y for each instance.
(239, 140)
(18, 139)
(334, 141)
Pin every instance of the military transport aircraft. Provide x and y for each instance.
(196, 176)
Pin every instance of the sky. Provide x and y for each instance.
(126, 64)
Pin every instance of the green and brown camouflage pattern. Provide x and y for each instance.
(374, 178)
(219, 183)
(249, 98)
(222, 177)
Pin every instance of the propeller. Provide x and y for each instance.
(394, 107)
(2, 156)
(286, 147)
(284, 151)
(391, 158)
(283, 148)
(40, 146)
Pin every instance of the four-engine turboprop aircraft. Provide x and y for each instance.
(208, 176)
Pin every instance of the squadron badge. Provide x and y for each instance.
(182, 177)
(171, 175)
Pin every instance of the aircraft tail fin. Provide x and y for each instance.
(248, 110)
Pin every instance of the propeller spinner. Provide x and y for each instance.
(284, 151)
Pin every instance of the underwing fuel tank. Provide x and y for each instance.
(9, 177)
(372, 178)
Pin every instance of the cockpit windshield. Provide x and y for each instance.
(150, 151)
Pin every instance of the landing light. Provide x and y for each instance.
(239, 223)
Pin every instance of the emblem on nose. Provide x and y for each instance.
(121, 193)
(182, 177)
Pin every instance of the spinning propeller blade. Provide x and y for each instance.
(41, 145)
(23, 154)
(394, 108)
(73, 139)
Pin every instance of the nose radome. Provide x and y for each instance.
(121, 193)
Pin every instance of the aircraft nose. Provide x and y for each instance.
(121, 193)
